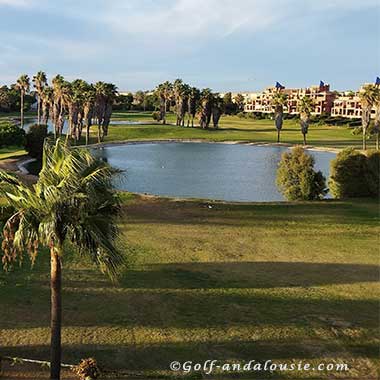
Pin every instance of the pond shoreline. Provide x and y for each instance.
(205, 141)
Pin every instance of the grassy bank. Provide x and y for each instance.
(234, 128)
(282, 281)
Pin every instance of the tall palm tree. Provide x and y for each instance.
(367, 98)
(73, 201)
(39, 81)
(376, 126)
(206, 100)
(305, 108)
(192, 104)
(164, 92)
(46, 103)
(23, 85)
(58, 114)
(88, 109)
(217, 110)
(279, 101)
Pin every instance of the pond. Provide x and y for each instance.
(230, 172)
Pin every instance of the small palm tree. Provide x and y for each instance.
(73, 203)
(367, 98)
(305, 108)
(279, 101)
(23, 85)
(39, 81)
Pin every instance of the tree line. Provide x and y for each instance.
(79, 103)
(189, 102)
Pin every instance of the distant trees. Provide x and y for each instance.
(164, 92)
(297, 179)
(23, 85)
(279, 101)
(305, 108)
(190, 101)
(230, 107)
(239, 101)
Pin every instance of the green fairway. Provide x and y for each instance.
(11, 152)
(234, 282)
(233, 128)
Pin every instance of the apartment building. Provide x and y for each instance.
(347, 104)
(262, 101)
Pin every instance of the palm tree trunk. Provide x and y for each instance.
(22, 109)
(304, 139)
(56, 314)
(364, 139)
(99, 135)
(377, 140)
(278, 135)
(38, 110)
(87, 133)
(164, 119)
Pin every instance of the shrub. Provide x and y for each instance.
(87, 369)
(156, 116)
(297, 178)
(349, 174)
(241, 115)
(373, 173)
(35, 140)
(11, 134)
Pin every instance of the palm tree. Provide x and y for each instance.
(192, 100)
(72, 202)
(105, 94)
(88, 109)
(217, 110)
(305, 108)
(39, 81)
(164, 92)
(58, 114)
(206, 100)
(367, 98)
(23, 85)
(376, 126)
(46, 103)
(279, 101)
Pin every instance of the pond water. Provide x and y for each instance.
(202, 170)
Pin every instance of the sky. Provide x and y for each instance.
(227, 45)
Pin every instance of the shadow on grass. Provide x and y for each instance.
(157, 357)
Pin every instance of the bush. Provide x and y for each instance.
(297, 178)
(11, 134)
(35, 140)
(349, 174)
(156, 116)
(373, 173)
(241, 115)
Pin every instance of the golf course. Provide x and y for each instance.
(280, 281)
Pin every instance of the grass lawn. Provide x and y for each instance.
(234, 282)
(233, 128)
(11, 152)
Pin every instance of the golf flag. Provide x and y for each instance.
(377, 83)
(279, 86)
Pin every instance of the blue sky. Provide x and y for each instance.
(237, 45)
